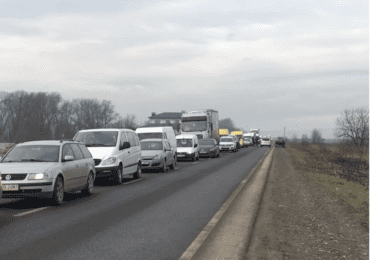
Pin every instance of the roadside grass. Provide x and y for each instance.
(341, 175)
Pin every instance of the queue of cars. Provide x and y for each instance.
(51, 168)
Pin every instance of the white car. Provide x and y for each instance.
(187, 147)
(227, 143)
(165, 132)
(116, 152)
(157, 154)
(47, 169)
(265, 142)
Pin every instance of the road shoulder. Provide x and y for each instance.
(298, 220)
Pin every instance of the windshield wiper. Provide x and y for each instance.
(33, 160)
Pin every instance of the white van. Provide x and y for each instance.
(187, 147)
(227, 143)
(115, 151)
(165, 132)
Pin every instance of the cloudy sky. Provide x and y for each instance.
(265, 64)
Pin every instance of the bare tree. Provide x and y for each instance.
(316, 137)
(129, 121)
(227, 123)
(353, 125)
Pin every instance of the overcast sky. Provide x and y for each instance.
(265, 64)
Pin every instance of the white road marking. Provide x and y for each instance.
(195, 162)
(29, 212)
(127, 183)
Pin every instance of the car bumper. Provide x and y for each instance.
(185, 156)
(226, 148)
(207, 153)
(146, 164)
(102, 172)
(28, 189)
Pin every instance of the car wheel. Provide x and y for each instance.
(137, 174)
(172, 166)
(88, 190)
(118, 176)
(164, 168)
(58, 192)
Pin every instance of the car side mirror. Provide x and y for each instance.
(68, 158)
(126, 145)
(195, 145)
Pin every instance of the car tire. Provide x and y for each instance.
(118, 176)
(137, 174)
(164, 168)
(88, 190)
(58, 192)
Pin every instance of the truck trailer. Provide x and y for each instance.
(202, 123)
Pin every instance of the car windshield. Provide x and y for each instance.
(265, 139)
(281, 138)
(194, 126)
(33, 153)
(98, 138)
(151, 146)
(184, 143)
(226, 140)
(206, 142)
(143, 136)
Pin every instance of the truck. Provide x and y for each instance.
(257, 134)
(202, 123)
(223, 132)
(239, 135)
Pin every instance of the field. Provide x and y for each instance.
(338, 170)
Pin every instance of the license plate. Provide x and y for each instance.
(10, 187)
(181, 155)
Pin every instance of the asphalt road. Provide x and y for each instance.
(156, 218)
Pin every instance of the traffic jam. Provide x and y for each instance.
(51, 168)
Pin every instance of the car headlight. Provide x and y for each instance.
(189, 153)
(157, 157)
(38, 176)
(110, 160)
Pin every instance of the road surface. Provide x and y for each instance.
(156, 218)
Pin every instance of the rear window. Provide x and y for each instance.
(143, 136)
(226, 140)
(265, 139)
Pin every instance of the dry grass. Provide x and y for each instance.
(341, 174)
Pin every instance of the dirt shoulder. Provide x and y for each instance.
(299, 220)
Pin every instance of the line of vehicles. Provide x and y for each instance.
(52, 167)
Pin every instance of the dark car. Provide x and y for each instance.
(209, 147)
(280, 141)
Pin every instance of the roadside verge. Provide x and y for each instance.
(228, 233)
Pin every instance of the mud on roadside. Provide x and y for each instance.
(298, 220)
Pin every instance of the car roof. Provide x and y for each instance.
(185, 136)
(47, 142)
(152, 140)
(106, 129)
(158, 129)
